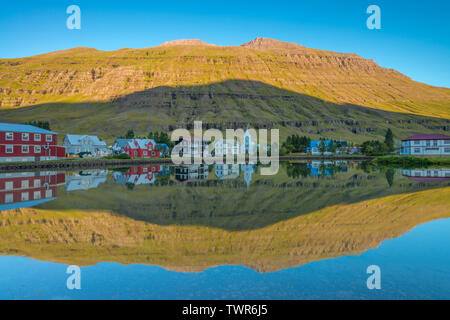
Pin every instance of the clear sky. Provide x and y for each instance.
(414, 38)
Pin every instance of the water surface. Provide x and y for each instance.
(226, 232)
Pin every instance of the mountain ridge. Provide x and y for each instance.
(232, 78)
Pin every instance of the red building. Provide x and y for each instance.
(27, 189)
(20, 142)
(142, 148)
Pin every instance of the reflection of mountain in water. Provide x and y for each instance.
(90, 236)
(193, 197)
(28, 189)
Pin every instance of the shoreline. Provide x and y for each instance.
(99, 163)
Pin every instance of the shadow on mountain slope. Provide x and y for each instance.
(227, 104)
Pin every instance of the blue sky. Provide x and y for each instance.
(414, 39)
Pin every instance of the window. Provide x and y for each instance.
(24, 196)
(25, 136)
(416, 142)
(37, 195)
(37, 149)
(145, 153)
(417, 150)
(9, 136)
(37, 183)
(153, 153)
(25, 149)
(447, 150)
(9, 198)
(48, 193)
(48, 138)
(8, 185)
(37, 137)
(446, 141)
(435, 143)
(9, 149)
(25, 184)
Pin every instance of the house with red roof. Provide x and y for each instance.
(426, 144)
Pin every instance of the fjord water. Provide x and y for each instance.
(226, 232)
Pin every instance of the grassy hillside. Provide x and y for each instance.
(85, 237)
(264, 82)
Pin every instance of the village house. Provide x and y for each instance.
(142, 148)
(20, 142)
(192, 147)
(225, 147)
(426, 144)
(92, 145)
(118, 146)
(314, 147)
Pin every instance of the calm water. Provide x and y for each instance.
(226, 232)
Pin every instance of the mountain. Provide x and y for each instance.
(264, 82)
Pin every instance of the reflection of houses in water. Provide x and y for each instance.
(427, 175)
(85, 180)
(326, 168)
(248, 170)
(191, 172)
(139, 175)
(27, 189)
(226, 171)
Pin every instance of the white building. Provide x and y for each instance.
(76, 144)
(426, 144)
(226, 147)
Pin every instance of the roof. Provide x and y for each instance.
(122, 142)
(75, 139)
(142, 143)
(315, 143)
(427, 137)
(11, 127)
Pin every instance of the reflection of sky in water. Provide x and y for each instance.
(416, 265)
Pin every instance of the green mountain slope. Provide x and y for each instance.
(263, 82)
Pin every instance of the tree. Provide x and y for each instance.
(130, 134)
(322, 146)
(374, 148)
(389, 140)
(390, 177)
(41, 124)
(332, 147)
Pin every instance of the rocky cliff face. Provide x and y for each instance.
(264, 81)
(84, 74)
